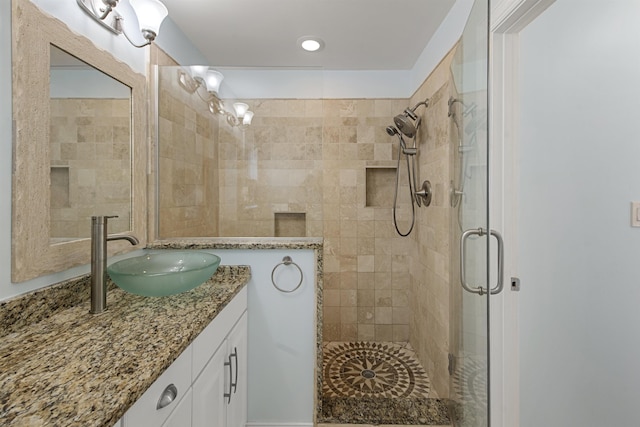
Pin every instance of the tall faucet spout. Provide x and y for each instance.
(99, 238)
(128, 237)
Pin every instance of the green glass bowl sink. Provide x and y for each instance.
(163, 273)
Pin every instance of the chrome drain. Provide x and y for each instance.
(368, 374)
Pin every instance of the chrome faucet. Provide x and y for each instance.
(99, 238)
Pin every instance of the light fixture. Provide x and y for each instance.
(240, 108)
(248, 116)
(150, 14)
(212, 80)
(205, 82)
(311, 43)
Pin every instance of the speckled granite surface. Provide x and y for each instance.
(362, 410)
(76, 369)
(239, 243)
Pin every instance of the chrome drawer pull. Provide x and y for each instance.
(168, 395)
(228, 395)
(234, 384)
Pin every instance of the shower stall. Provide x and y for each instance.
(402, 341)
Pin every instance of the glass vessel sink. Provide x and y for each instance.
(163, 273)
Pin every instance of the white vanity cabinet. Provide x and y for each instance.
(207, 384)
(220, 391)
(220, 369)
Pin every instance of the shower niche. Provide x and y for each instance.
(290, 224)
(380, 186)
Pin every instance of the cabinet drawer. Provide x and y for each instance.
(206, 344)
(144, 413)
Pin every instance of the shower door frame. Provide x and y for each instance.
(509, 17)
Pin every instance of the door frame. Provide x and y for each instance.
(508, 19)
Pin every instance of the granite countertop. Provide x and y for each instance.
(78, 369)
(238, 243)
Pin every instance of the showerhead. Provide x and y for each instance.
(404, 125)
(392, 131)
(411, 114)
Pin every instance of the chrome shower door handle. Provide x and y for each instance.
(463, 245)
(500, 285)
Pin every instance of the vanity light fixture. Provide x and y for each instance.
(149, 13)
(205, 82)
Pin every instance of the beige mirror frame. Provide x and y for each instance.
(33, 32)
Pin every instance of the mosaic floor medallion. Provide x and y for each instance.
(372, 369)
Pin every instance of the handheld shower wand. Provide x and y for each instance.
(407, 124)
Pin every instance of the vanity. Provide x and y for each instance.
(76, 369)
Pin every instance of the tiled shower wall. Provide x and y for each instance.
(188, 163)
(272, 171)
(312, 158)
(432, 277)
(91, 164)
(366, 264)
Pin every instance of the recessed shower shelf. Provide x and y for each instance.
(380, 183)
(290, 224)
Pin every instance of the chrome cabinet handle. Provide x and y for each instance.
(228, 395)
(234, 384)
(463, 245)
(168, 395)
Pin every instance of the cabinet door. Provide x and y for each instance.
(209, 403)
(181, 415)
(237, 348)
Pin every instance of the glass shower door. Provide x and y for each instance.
(472, 242)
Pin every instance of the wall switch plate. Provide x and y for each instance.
(635, 214)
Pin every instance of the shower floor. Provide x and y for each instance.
(377, 383)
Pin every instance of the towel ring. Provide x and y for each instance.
(286, 261)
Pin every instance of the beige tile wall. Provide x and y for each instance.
(431, 269)
(273, 166)
(366, 283)
(90, 150)
(188, 161)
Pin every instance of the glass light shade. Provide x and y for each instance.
(150, 14)
(199, 71)
(213, 80)
(248, 116)
(240, 108)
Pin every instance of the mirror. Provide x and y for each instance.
(90, 148)
(39, 245)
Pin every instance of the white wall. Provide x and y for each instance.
(578, 256)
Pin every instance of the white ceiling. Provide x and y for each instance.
(358, 34)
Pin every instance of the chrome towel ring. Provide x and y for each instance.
(286, 261)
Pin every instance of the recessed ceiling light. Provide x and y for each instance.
(311, 44)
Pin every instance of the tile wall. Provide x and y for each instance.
(90, 164)
(433, 268)
(188, 161)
